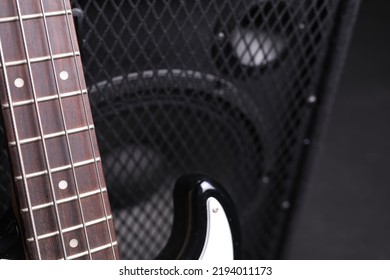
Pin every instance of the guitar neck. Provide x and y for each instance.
(61, 194)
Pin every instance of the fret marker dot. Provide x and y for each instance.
(63, 184)
(73, 243)
(64, 75)
(19, 82)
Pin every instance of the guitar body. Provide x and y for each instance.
(61, 200)
(205, 224)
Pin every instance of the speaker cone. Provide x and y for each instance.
(155, 126)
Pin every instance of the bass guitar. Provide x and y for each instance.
(61, 199)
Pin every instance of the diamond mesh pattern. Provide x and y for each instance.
(221, 87)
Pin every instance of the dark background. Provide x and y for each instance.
(345, 210)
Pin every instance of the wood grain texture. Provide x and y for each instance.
(51, 136)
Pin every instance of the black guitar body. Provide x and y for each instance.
(191, 217)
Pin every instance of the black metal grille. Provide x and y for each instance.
(224, 87)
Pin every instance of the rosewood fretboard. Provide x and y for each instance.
(61, 194)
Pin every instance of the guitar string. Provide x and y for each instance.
(73, 43)
(65, 129)
(19, 150)
(41, 129)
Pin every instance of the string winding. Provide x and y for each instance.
(78, 71)
(65, 128)
(31, 79)
(19, 150)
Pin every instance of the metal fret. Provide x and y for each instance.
(65, 200)
(58, 169)
(53, 135)
(70, 229)
(35, 16)
(94, 250)
(45, 98)
(42, 58)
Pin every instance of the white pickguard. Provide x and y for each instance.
(219, 242)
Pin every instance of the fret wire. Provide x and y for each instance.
(57, 169)
(19, 148)
(73, 42)
(40, 126)
(35, 16)
(94, 250)
(52, 135)
(41, 59)
(72, 257)
(64, 124)
(70, 229)
(44, 98)
(64, 200)
(44, 236)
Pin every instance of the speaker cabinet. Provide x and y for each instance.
(235, 89)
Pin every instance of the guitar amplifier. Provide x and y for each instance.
(236, 89)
